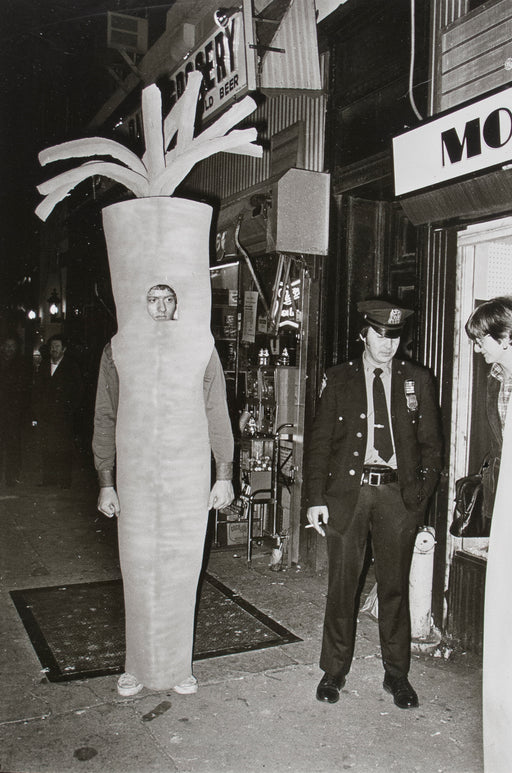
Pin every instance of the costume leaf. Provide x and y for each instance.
(159, 172)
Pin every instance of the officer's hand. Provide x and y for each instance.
(317, 516)
(221, 495)
(108, 503)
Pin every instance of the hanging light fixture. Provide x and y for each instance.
(223, 15)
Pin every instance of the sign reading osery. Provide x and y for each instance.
(223, 61)
(465, 141)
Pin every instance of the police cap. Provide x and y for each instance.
(386, 318)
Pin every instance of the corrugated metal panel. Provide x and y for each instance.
(474, 50)
(465, 620)
(452, 10)
(297, 67)
(227, 174)
(436, 284)
(434, 296)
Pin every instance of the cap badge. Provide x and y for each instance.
(395, 317)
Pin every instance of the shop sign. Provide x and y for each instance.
(291, 313)
(249, 319)
(462, 142)
(226, 62)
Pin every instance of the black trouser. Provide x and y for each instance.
(380, 511)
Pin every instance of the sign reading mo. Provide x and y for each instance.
(462, 142)
(494, 132)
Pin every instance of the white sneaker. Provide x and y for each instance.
(127, 685)
(187, 687)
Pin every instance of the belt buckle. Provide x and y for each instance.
(374, 478)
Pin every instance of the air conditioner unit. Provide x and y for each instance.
(127, 32)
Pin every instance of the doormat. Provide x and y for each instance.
(77, 630)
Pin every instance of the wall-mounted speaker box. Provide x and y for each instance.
(299, 216)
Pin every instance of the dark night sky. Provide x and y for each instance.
(53, 79)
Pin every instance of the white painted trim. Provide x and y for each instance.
(467, 243)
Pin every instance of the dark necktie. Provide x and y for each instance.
(382, 435)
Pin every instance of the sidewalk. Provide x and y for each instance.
(254, 711)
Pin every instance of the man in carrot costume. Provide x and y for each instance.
(161, 543)
(169, 378)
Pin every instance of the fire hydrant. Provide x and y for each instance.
(420, 583)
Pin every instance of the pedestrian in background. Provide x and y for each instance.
(57, 397)
(372, 462)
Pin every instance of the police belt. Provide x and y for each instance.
(378, 475)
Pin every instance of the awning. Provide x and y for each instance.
(485, 195)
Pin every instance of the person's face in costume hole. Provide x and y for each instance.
(161, 303)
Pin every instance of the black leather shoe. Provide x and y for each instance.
(328, 690)
(401, 690)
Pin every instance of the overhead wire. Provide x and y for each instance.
(411, 61)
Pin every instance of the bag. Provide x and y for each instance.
(468, 518)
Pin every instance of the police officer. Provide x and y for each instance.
(372, 462)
